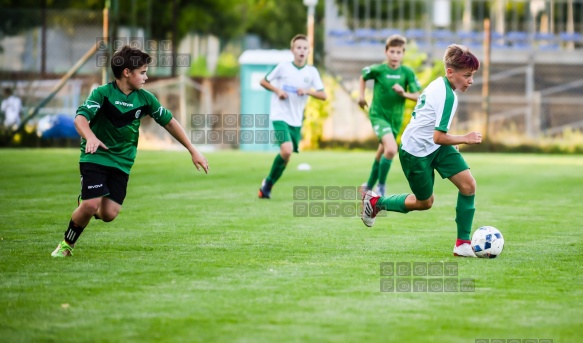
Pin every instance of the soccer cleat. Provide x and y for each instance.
(364, 187)
(463, 250)
(63, 250)
(369, 208)
(265, 190)
(381, 190)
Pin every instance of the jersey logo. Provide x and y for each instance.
(124, 104)
(366, 70)
(138, 112)
(393, 76)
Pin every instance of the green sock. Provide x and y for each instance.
(464, 215)
(393, 203)
(384, 167)
(276, 169)
(374, 175)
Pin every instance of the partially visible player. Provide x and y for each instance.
(427, 146)
(291, 84)
(11, 106)
(108, 122)
(393, 84)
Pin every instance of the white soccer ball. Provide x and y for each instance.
(487, 242)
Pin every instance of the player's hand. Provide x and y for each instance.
(200, 161)
(398, 89)
(93, 144)
(302, 92)
(474, 138)
(281, 94)
(362, 103)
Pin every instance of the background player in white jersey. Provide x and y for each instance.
(291, 83)
(11, 106)
(427, 146)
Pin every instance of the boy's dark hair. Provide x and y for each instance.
(130, 58)
(7, 91)
(395, 41)
(298, 37)
(459, 57)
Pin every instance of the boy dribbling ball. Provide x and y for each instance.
(427, 146)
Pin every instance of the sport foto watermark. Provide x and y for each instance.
(233, 129)
(423, 277)
(328, 201)
(513, 340)
(159, 50)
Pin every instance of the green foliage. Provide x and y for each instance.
(317, 111)
(228, 65)
(198, 68)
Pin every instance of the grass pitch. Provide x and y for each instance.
(198, 258)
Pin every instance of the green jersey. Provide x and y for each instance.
(386, 103)
(115, 119)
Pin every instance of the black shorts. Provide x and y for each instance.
(98, 181)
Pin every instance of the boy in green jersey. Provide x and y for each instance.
(108, 123)
(393, 84)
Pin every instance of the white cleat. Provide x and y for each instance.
(464, 250)
(369, 212)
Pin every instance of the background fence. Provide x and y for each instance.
(536, 52)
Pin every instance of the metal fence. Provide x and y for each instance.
(536, 54)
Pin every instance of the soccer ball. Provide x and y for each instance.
(487, 242)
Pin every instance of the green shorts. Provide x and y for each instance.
(382, 126)
(287, 133)
(419, 171)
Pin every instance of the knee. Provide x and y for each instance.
(285, 153)
(89, 207)
(108, 216)
(390, 153)
(468, 188)
(427, 204)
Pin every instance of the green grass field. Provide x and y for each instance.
(198, 258)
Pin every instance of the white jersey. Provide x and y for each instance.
(289, 78)
(11, 107)
(434, 111)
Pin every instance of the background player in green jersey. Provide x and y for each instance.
(291, 83)
(427, 146)
(393, 84)
(108, 123)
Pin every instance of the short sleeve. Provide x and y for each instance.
(274, 73)
(369, 73)
(161, 115)
(413, 84)
(92, 105)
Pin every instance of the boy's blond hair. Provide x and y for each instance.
(298, 37)
(459, 57)
(395, 41)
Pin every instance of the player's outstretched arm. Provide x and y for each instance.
(443, 138)
(176, 130)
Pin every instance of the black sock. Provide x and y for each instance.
(73, 232)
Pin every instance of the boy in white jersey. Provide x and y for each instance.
(426, 147)
(291, 83)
